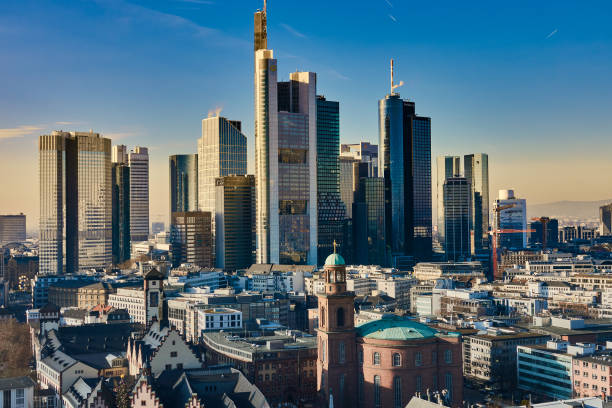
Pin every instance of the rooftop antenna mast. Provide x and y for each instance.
(393, 85)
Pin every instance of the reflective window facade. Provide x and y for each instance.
(331, 209)
(477, 172)
(139, 193)
(457, 193)
(121, 212)
(190, 237)
(405, 164)
(75, 202)
(235, 222)
(183, 183)
(446, 166)
(369, 222)
(222, 152)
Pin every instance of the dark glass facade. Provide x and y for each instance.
(235, 220)
(121, 212)
(331, 208)
(477, 172)
(538, 228)
(457, 218)
(405, 164)
(183, 183)
(191, 238)
(369, 222)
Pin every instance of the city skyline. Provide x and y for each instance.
(473, 85)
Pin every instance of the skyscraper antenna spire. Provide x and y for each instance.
(393, 85)
(265, 7)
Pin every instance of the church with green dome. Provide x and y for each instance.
(380, 363)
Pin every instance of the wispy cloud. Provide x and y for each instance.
(389, 3)
(338, 75)
(133, 12)
(66, 123)
(21, 131)
(392, 17)
(292, 30)
(553, 32)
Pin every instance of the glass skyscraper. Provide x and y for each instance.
(405, 164)
(369, 221)
(446, 167)
(121, 212)
(235, 222)
(183, 183)
(222, 151)
(331, 209)
(513, 216)
(477, 172)
(191, 239)
(285, 160)
(75, 202)
(457, 197)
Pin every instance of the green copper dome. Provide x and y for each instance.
(334, 259)
(392, 327)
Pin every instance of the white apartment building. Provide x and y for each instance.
(132, 300)
(547, 289)
(279, 281)
(212, 279)
(59, 371)
(219, 318)
(17, 392)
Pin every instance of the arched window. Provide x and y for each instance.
(397, 360)
(342, 379)
(376, 358)
(323, 350)
(418, 359)
(448, 383)
(322, 317)
(377, 391)
(341, 353)
(340, 317)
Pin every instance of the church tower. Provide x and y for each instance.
(153, 293)
(337, 350)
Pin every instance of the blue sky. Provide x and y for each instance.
(527, 82)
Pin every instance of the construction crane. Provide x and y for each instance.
(544, 221)
(496, 231)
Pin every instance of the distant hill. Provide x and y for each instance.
(567, 209)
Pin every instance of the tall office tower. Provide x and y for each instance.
(285, 160)
(331, 209)
(477, 172)
(405, 163)
(348, 184)
(75, 202)
(446, 167)
(222, 151)
(235, 222)
(191, 239)
(365, 152)
(138, 160)
(369, 220)
(457, 203)
(605, 219)
(121, 212)
(544, 232)
(119, 154)
(510, 213)
(12, 228)
(183, 183)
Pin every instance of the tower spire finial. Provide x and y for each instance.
(265, 7)
(393, 85)
(335, 245)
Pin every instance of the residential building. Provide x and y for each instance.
(190, 238)
(429, 271)
(457, 201)
(12, 228)
(58, 371)
(476, 170)
(331, 209)
(235, 222)
(120, 182)
(219, 318)
(405, 165)
(593, 375)
(75, 202)
(183, 183)
(17, 392)
(446, 167)
(144, 304)
(491, 357)
(222, 151)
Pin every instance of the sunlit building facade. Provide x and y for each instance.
(477, 172)
(446, 166)
(191, 238)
